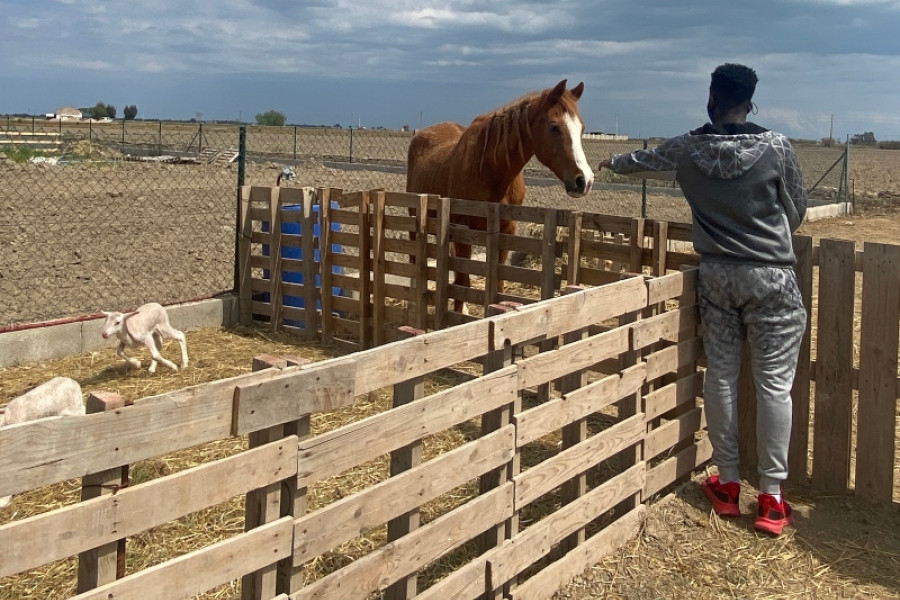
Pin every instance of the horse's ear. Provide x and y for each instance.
(578, 90)
(557, 92)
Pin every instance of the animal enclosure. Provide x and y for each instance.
(846, 430)
(567, 426)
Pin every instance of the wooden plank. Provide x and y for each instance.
(542, 585)
(492, 254)
(384, 566)
(244, 252)
(53, 450)
(671, 432)
(673, 395)
(320, 387)
(537, 541)
(442, 275)
(327, 268)
(404, 459)
(101, 563)
(551, 473)
(310, 266)
(675, 467)
(276, 298)
(421, 253)
(672, 326)
(378, 260)
(574, 248)
(878, 349)
(670, 359)
(800, 394)
(330, 453)
(834, 359)
(553, 364)
(201, 570)
(672, 286)
(569, 313)
(364, 268)
(536, 422)
(389, 364)
(345, 519)
(57, 534)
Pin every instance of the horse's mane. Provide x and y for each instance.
(509, 119)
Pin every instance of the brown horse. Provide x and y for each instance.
(484, 161)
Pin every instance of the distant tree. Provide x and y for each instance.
(110, 111)
(130, 112)
(96, 112)
(271, 117)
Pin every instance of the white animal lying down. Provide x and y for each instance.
(147, 326)
(60, 396)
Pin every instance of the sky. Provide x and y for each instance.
(825, 67)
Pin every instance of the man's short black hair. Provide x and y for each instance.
(733, 83)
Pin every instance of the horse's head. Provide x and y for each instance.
(556, 129)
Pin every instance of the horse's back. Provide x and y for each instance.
(428, 157)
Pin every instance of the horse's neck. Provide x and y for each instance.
(506, 144)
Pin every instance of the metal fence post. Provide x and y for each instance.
(242, 165)
(351, 143)
(295, 142)
(644, 193)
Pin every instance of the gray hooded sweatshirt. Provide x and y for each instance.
(744, 187)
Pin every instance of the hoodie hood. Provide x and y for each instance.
(727, 151)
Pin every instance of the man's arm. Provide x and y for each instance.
(793, 177)
(661, 158)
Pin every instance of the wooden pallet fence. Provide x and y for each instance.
(430, 504)
(861, 389)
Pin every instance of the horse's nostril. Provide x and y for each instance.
(579, 182)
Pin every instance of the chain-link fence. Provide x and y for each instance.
(112, 215)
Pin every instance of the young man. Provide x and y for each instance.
(746, 194)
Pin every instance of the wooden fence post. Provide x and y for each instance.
(402, 460)
(105, 564)
(274, 501)
(442, 277)
(490, 422)
(575, 432)
(245, 293)
(797, 456)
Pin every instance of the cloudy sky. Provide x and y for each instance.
(822, 64)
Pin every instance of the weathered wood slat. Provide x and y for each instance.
(675, 467)
(569, 313)
(330, 453)
(671, 396)
(352, 516)
(878, 350)
(380, 568)
(582, 354)
(671, 432)
(551, 473)
(538, 540)
(551, 416)
(834, 356)
(64, 532)
(542, 585)
(201, 570)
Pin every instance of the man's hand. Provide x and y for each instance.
(605, 164)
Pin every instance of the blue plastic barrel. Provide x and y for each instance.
(297, 253)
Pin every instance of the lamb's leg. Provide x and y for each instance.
(150, 341)
(171, 333)
(120, 350)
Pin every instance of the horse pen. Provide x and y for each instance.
(437, 455)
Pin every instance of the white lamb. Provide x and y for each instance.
(147, 326)
(58, 397)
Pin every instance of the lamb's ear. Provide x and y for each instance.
(105, 314)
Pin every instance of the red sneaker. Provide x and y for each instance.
(724, 496)
(772, 516)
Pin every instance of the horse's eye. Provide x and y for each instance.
(554, 127)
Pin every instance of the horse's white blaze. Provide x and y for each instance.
(575, 127)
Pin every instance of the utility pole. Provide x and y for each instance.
(831, 130)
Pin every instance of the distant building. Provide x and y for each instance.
(66, 113)
(598, 135)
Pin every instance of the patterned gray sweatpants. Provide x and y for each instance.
(762, 305)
